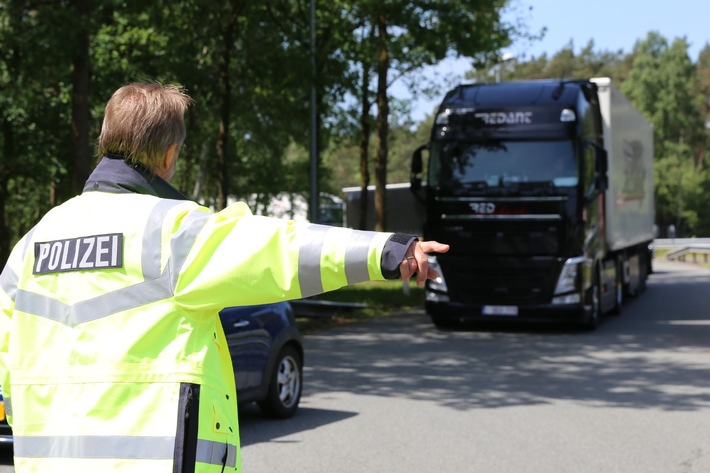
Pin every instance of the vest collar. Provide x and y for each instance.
(118, 176)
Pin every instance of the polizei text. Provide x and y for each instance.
(82, 253)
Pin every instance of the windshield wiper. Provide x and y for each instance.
(539, 188)
(460, 188)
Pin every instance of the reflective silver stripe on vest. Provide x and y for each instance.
(8, 405)
(213, 453)
(151, 290)
(309, 253)
(183, 240)
(109, 446)
(28, 239)
(119, 447)
(92, 309)
(150, 258)
(356, 256)
(8, 282)
(8, 277)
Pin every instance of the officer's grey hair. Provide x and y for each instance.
(142, 120)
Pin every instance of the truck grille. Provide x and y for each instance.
(503, 281)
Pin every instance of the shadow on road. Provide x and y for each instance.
(654, 355)
(6, 457)
(253, 428)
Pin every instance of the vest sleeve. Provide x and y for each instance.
(241, 259)
(394, 252)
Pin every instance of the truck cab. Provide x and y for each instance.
(517, 182)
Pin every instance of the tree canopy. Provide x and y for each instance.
(250, 70)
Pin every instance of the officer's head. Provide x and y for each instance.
(144, 123)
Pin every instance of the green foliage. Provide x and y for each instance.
(380, 298)
(258, 55)
(379, 294)
(395, 39)
(663, 85)
(565, 64)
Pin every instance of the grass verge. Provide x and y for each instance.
(381, 297)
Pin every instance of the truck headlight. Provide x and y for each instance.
(436, 288)
(570, 276)
(567, 299)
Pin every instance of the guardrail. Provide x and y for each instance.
(694, 250)
(314, 308)
(677, 242)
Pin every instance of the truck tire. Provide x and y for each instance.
(443, 323)
(595, 294)
(644, 271)
(619, 287)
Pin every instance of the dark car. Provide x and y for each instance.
(267, 353)
(5, 431)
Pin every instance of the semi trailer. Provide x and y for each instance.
(544, 190)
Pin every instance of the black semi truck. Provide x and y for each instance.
(544, 190)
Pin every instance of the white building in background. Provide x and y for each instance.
(289, 206)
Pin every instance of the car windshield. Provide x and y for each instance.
(503, 163)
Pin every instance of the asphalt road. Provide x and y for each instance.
(397, 395)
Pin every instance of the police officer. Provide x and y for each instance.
(112, 354)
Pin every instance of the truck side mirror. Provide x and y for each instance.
(601, 165)
(417, 167)
(602, 160)
(602, 182)
(602, 179)
(417, 163)
(415, 183)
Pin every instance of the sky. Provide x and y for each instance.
(613, 25)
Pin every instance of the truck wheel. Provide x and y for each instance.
(285, 385)
(596, 302)
(619, 287)
(443, 323)
(645, 271)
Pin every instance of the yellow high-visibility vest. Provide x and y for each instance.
(112, 354)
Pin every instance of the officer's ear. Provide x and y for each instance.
(167, 169)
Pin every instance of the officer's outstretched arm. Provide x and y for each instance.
(241, 259)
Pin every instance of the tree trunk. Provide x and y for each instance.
(382, 127)
(8, 150)
(81, 83)
(225, 91)
(364, 144)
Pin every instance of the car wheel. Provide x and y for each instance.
(285, 386)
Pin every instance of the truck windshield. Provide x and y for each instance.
(502, 163)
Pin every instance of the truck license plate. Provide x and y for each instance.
(509, 310)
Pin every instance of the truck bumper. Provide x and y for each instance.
(451, 313)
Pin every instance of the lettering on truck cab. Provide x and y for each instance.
(482, 207)
(505, 118)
